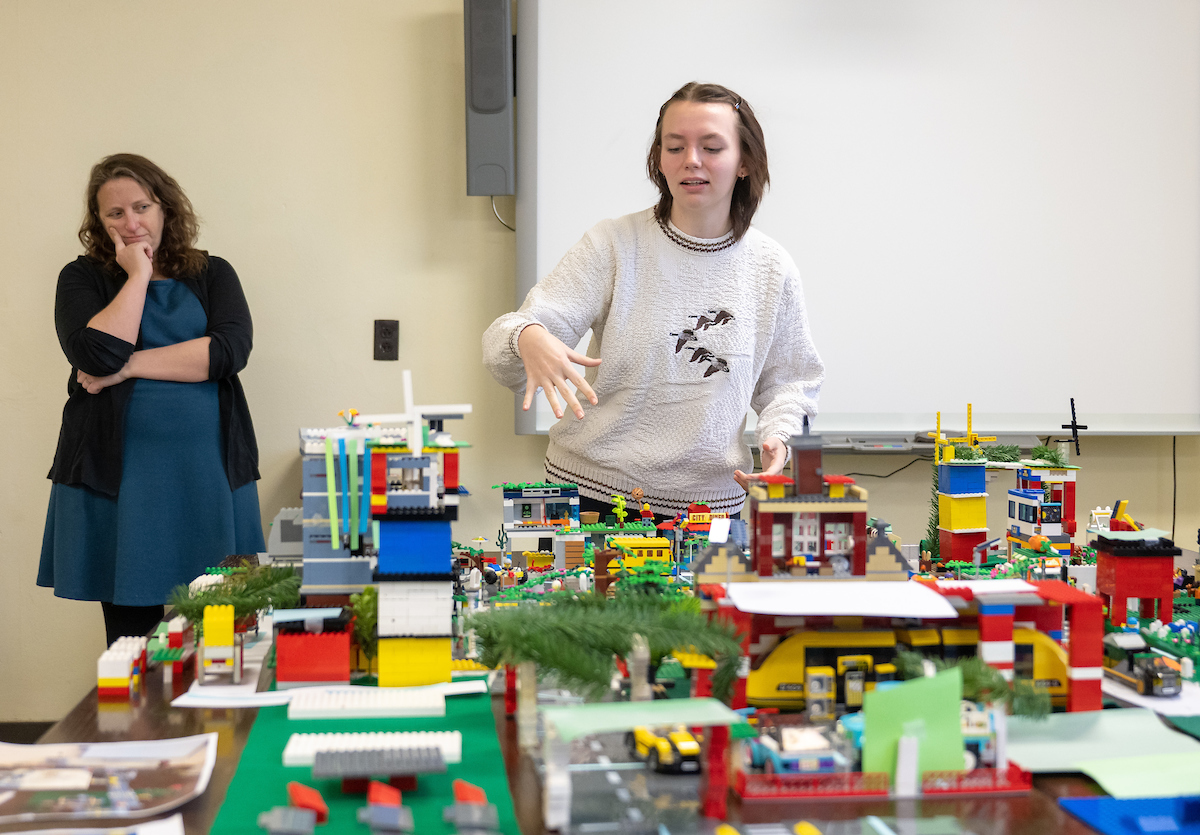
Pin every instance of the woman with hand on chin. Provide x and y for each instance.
(154, 475)
(697, 316)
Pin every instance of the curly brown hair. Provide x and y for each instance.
(177, 254)
(748, 190)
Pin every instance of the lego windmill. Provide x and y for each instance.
(962, 497)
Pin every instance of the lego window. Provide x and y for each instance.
(778, 546)
(1012, 510)
(1051, 514)
(1023, 661)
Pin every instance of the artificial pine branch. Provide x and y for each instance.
(247, 590)
(981, 683)
(1003, 453)
(1053, 457)
(932, 537)
(579, 635)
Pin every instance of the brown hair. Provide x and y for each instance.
(177, 254)
(748, 190)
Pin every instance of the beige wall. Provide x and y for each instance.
(323, 146)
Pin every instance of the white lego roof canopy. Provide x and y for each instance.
(898, 599)
(574, 721)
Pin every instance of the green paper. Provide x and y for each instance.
(1150, 775)
(928, 708)
(1064, 740)
(1188, 724)
(604, 717)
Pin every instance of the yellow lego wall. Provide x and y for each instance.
(405, 662)
(962, 514)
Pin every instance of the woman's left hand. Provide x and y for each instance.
(95, 385)
(773, 456)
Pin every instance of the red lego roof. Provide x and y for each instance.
(837, 479)
(773, 479)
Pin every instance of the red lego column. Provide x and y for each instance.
(510, 690)
(1068, 507)
(762, 540)
(378, 480)
(450, 471)
(743, 622)
(996, 637)
(701, 683)
(714, 781)
(858, 562)
(1085, 655)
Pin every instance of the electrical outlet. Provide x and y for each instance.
(387, 339)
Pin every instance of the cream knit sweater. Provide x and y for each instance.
(690, 339)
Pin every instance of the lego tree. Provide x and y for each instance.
(619, 508)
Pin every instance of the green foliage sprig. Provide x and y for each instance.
(248, 590)
(1053, 457)
(932, 536)
(364, 607)
(1003, 453)
(963, 452)
(579, 636)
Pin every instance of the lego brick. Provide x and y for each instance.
(381, 794)
(288, 820)
(301, 749)
(306, 797)
(407, 626)
(959, 546)
(962, 478)
(472, 817)
(218, 627)
(377, 762)
(406, 662)
(413, 546)
(958, 513)
(304, 656)
(365, 702)
(386, 817)
(337, 571)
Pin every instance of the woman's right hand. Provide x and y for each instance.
(136, 260)
(548, 366)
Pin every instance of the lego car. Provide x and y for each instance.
(666, 750)
(1128, 659)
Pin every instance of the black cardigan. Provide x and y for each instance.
(91, 441)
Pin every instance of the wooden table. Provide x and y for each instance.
(152, 717)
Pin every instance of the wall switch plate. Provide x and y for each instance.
(387, 339)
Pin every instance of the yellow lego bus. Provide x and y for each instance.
(837, 667)
(643, 548)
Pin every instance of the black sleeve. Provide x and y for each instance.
(229, 325)
(80, 296)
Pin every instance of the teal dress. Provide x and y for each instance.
(175, 514)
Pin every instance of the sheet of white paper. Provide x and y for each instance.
(165, 826)
(144, 749)
(1187, 703)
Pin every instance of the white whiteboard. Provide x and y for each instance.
(989, 202)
